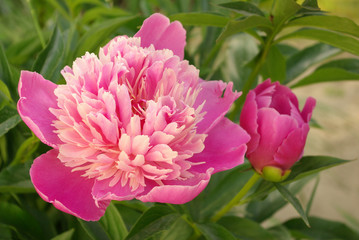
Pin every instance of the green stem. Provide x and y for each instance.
(255, 177)
(253, 76)
(37, 26)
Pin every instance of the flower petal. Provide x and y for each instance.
(36, 98)
(225, 147)
(158, 30)
(215, 105)
(177, 191)
(308, 109)
(67, 191)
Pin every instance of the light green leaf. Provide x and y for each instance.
(65, 235)
(154, 220)
(5, 71)
(113, 223)
(322, 229)
(98, 34)
(335, 39)
(274, 66)
(243, 7)
(9, 118)
(293, 201)
(283, 10)
(5, 96)
(213, 231)
(95, 13)
(334, 23)
(244, 228)
(302, 60)
(50, 60)
(250, 22)
(16, 179)
(327, 75)
(27, 148)
(200, 19)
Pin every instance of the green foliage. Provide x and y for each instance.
(240, 41)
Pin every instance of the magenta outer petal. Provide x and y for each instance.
(177, 191)
(273, 129)
(248, 120)
(158, 30)
(66, 190)
(36, 97)
(308, 109)
(102, 191)
(225, 147)
(292, 148)
(215, 105)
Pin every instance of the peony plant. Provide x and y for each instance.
(115, 130)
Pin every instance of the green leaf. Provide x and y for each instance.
(95, 13)
(243, 7)
(98, 34)
(280, 232)
(283, 10)
(244, 228)
(287, 195)
(113, 223)
(5, 232)
(155, 219)
(9, 118)
(200, 19)
(306, 166)
(22, 221)
(180, 230)
(5, 71)
(65, 235)
(50, 60)
(94, 230)
(250, 22)
(327, 75)
(302, 60)
(16, 179)
(262, 209)
(213, 231)
(334, 23)
(335, 39)
(311, 4)
(322, 229)
(5, 96)
(27, 148)
(274, 66)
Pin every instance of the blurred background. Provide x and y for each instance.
(337, 110)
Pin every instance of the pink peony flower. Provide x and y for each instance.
(277, 127)
(135, 122)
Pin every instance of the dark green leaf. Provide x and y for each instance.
(200, 19)
(334, 23)
(245, 229)
(50, 60)
(16, 179)
(95, 13)
(302, 60)
(9, 118)
(327, 75)
(263, 209)
(213, 231)
(243, 7)
(65, 235)
(310, 3)
(322, 229)
(349, 64)
(335, 39)
(113, 223)
(287, 195)
(98, 34)
(27, 148)
(250, 22)
(283, 10)
(5, 96)
(94, 230)
(5, 232)
(306, 166)
(5, 72)
(155, 219)
(22, 221)
(280, 232)
(180, 230)
(274, 66)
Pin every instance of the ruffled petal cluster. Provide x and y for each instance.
(136, 121)
(277, 127)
